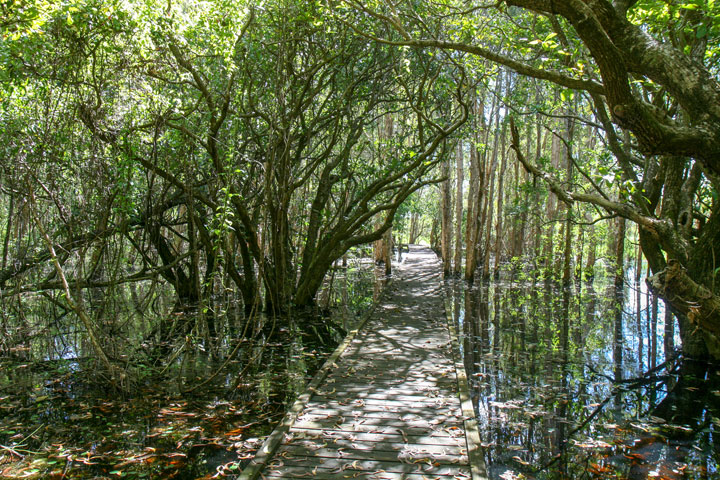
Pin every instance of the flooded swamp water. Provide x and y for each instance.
(580, 383)
(178, 421)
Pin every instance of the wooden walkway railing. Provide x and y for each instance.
(390, 403)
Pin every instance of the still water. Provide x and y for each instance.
(573, 383)
(198, 410)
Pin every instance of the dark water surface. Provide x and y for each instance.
(55, 422)
(572, 383)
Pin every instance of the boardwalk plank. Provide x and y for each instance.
(423, 423)
(349, 474)
(428, 439)
(406, 456)
(397, 447)
(408, 416)
(407, 429)
(341, 465)
(411, 402)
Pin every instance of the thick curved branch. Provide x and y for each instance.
(516, 65)
(661, 229)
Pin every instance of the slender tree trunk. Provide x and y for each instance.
(567, 254)
(580, 251)
(589, 272)
(387, 250)
(434, 234)
(558, 156)
(412, 238)
(383, 246)
(490, 176)
(638, 304)
(446, 218)
(488, 220)
(620, 254)
(669, 339)
(8, 227)
(653, 330)
(379, 253)
(457, 267)
(567, 251)
(471, 229)
(499, 234)
(537, 247)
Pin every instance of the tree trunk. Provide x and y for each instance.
(383, 246)
(471, 229)
(488, 218)
(669, 339)
(446, 218)
(620, 254)
(8, 227)
(434, 234)
(414, 227)
(567, 254)
(638, 305)
(457, 267)
(387, 250)
(279, 276)
(536, 197)
(695, 304)
(499, 234)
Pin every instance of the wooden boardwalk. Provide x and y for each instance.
(391, 403)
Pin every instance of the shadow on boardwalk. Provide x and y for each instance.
(386, 405)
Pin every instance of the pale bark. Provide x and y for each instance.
(488, 211)
(620, 253)
(568, 132)
(487, 224)
(471, 230)
(445, 218)
(383, 245)
(499, 234)
(457, 266)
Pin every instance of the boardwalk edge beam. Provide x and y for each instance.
(472, 434)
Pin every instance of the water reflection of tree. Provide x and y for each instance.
(556, 370)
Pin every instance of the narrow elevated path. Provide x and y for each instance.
(389, 405)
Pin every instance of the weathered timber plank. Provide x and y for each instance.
(358, 427)
(428, 439)
(356, 413)
(377, 391)
(406, 456)
(410, 402)
(396, 407)
(372, 422)
(428, 381)
(382, 376)
(320, 474)
(396, 447)
(340, 465)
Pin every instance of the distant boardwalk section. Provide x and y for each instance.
(387, 406)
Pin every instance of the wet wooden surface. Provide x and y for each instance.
(388, 407)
